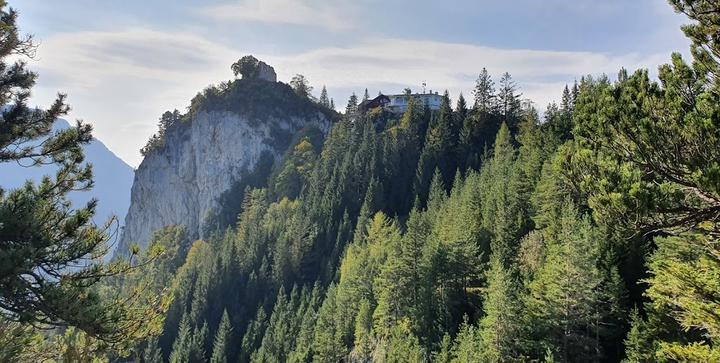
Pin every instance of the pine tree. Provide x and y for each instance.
(444, 355)
(197, 345)
(446, 140)
(454, 253)
(253, 335)
(181, 348)
(303, 344)
(393, 286)
(575, 93)
(366, 95)
(328, 346)
(703, 33)
(508, 101)
(484, 92)
(439, 151)
(364, 340)
(152, 352)
(569, 302)
(372, 203)
(467, 347)
(324, 100)
(277, 343)
(683, 285)
(352, 105)
(49, 271)
(461, 112)
(222, 339)
(501, 327)
(655, 160)
(501, 203)
(400, 346)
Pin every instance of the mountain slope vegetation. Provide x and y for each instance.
(471, 233)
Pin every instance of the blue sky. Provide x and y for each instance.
(124, 62)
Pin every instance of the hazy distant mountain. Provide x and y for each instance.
(113, 179)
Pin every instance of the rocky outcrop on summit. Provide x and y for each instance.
(230, 138)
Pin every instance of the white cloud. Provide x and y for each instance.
(327, 14)
(122, 81)
(89, 57)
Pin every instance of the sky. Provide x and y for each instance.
(123, 63)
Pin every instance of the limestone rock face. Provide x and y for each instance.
(266, 72)
(182, 182)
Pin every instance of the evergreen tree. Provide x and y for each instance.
(253, 335)
(181, 348)
(49, 249)
(527, 257)
(296, 170)
(500, 329)
(307, 314)
(152, 352)
(444, 355)
(197, 345)
(461, 112)
(364, 340)
(401, 346)
(221, 341)
(508, 101)
(501, 203)
(352, 105)
(566, 104)
(569, 302)
(703, 33)
(575, 93)
(439, 151)
(484, 93)
(324, 100)
(655, 160)
(467, 347)
(328, 346)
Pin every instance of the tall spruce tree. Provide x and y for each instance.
(221, 341)
(484, 92)
(324, 100)
(508, 101)
(181, 349)
(570, 304)
(501, 327)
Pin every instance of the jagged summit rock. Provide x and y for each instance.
(266, 72)
(250, 67)
(230, 138)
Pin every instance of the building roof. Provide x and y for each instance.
(416, 95)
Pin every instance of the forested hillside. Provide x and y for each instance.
(480, 232)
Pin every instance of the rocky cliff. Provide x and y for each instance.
(230, 138)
